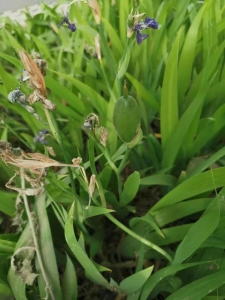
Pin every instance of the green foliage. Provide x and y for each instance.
(140, 216)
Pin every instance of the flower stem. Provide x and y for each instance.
(24, 196)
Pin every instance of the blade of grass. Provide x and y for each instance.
(193, 186)
(47, 251)
(169, 102)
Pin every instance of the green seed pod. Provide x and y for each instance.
(126, 117)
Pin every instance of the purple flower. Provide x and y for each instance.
(66, 20)
(40, 137)
(151, 23)
(140, 37)
(72, 27)
(148, 23)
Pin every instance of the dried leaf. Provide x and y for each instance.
(21, 263)
(103, 136)
(95, 10)
(36, 78)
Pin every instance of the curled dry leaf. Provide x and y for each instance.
(21, 263)
(91, 189)
(103, 136)
(98, 47)
(96, 10)
(36, 80)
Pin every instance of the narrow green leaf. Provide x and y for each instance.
(148, 219)
(196, 185)
(169, 102)
(69, 281)
(9, 81)
(208, 162)
(96, 211)
(47, 251)
(7, 203)
(18, 286)
(197, 234)
(200, 288)
(188, 53)
(134, 282)
(95, 99)
(10, 40)
(130, 188)
(161, 179)
(90, 270)
(5, 291)
(143, 93)
(180, 210)
(124, 65)
(64, 93)
(13, 60)
(7, 246)
(114, 38)
(160, 275)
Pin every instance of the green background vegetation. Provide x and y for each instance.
(157, 218)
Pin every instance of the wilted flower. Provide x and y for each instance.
(148, 23)
(40, 137)
(134, 23)
(91, 189)
(140, 37)
(103, 136)
(66, 20)
(91, 121)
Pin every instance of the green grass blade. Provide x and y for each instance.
(47, 250)
(160, 275)
(69, 281)
(169, 100)
(196, 185)
(188, 53)
(7, 203)
(171, 213)
(160, 179)
(197, 234)
(18, 286)
(199, 288)
(95, 99)
(90, 270)
(134, 282)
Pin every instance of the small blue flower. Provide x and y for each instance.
(140, 37)
(40, 137)
(148, 23)
(151, 23)
(66, 20)
(72, 27)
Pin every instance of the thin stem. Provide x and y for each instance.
(24, 196)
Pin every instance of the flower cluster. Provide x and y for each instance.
(148, 23)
